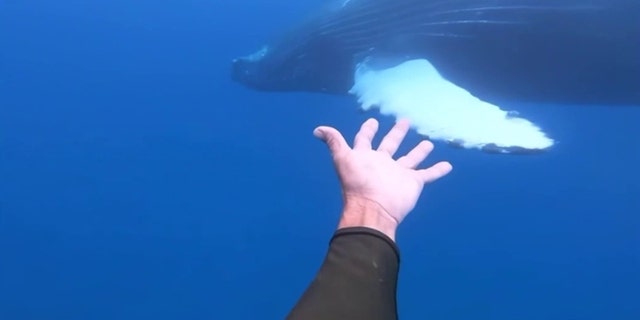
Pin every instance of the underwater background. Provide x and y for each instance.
(137, 181)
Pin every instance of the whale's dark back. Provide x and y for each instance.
(562, 51)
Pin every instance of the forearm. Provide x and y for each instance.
(357, 280)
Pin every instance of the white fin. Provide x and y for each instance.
(443, 111)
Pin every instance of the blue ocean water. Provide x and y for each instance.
(137, 182)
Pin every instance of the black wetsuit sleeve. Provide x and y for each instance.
(357, 280)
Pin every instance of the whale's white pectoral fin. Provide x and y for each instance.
(443, 111)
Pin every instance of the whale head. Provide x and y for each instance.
(309, 66)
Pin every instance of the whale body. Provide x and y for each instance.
(448, 65)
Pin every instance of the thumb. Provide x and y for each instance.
(332, 137)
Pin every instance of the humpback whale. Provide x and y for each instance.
(450, 66)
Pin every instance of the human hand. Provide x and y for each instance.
(372, 180)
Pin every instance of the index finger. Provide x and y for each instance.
(365, 135)
(391, 142)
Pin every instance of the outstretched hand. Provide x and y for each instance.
(373, 177)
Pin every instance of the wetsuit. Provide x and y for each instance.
(357, 280)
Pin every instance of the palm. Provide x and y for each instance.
(374, 176)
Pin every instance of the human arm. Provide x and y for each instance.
(358, 278)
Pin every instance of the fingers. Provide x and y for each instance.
(435, 172)
(365, 135)
(416, 155)
(332, 137)
(393, 139)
